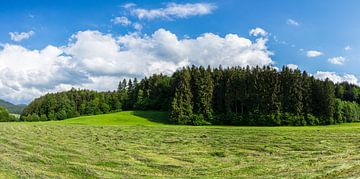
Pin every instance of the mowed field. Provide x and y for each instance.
(139, 144)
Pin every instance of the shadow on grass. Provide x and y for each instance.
(154, 116)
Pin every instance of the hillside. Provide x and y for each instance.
(12, 108)
(125, 118)
(135, 144)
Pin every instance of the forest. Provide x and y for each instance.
(261, 96)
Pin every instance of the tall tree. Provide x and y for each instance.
(181, 108)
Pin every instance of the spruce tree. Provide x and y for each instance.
(291, 91)
(218, 91)
(202, 90)
(181, 108)
(329, 100)
(307, 97)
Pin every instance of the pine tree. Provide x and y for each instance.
(120, 86)
(291, 90)
(329, 100)
(219, 91)
(181, 108)
(202, 90)
(269, 91)
(307, 97)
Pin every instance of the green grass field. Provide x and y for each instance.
(141, 144)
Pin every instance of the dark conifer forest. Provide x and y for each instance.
(221, 96)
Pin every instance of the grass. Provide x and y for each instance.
(126, 118)
(141, 144)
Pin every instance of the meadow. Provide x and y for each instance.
(140, 144)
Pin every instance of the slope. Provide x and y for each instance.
(12, 108)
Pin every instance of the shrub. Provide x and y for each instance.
(43, 117)
(199, 120)
(4, 115)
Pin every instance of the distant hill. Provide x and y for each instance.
(12, 108)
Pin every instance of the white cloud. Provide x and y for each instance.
(133, 54)
(17, 37)
(97, 61)
(126, 22)
(336, 78)
(137, 26)
(25, 74)
(128, 5)
(292, 66)
(337, 60)
(258, 32)
(172, 10)
(313, 53)
(348, 48)
(122, 21)
(292, 22)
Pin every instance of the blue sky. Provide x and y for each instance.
(319, 36)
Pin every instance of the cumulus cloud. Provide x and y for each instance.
(292, 66)
(26, 73)
(258, 32)
(134, 54)
(172, 10)
(98, 61)
(292, 22)
(336, 78)
(337, 60)
(313, 53)
(19, 36)
(122, 21)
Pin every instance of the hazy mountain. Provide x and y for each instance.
(12, 108)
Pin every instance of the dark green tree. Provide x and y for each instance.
(181, 107)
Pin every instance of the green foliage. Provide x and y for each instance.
(199, 120)
(202, 96)
(4, 115)
(202, 88)
(61, 115)
(181, 106)
(254, 96)
(73, 103)
(43, 117)
(346, 111)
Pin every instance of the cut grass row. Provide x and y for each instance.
(140, 144)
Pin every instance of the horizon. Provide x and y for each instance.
(55, 46)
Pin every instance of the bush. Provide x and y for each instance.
(43, 117)
(4, 115)
(61, 115)
(199, 120)
(52, 116)
(34, 117)
(311, 120)
(275, 119)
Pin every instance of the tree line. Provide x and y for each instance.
(5, 116)
(73, 103)
(227, 96)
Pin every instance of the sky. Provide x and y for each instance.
(50, 46)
